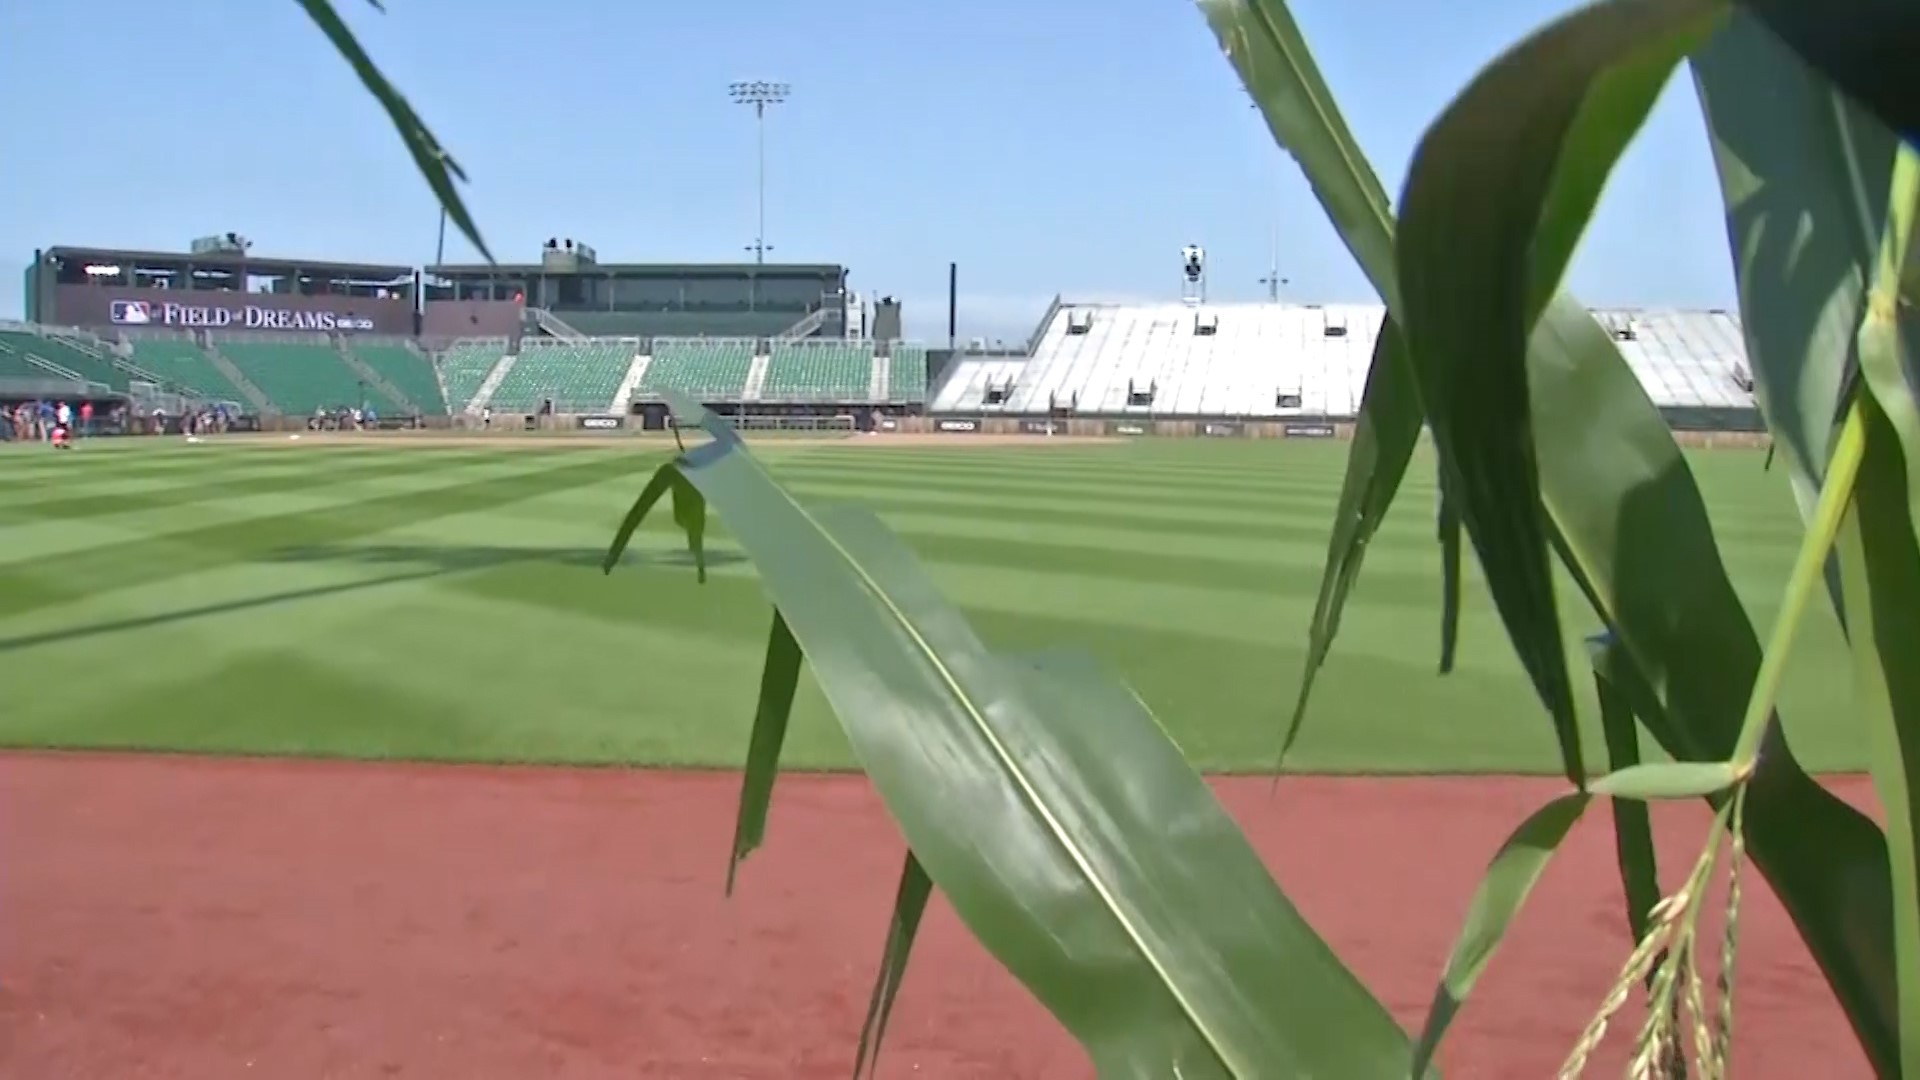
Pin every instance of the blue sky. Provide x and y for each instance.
(1071, 146)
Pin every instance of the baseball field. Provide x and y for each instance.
(412, 602)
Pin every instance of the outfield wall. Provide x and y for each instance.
(959, 426)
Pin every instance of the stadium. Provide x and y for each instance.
(569, 342)
(532, 879)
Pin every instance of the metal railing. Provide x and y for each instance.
(805, 327)
(1046, 320)
(554, 325)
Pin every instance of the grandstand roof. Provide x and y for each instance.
(655, 269)
(218, 258)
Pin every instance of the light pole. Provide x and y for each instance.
(1273, 281)
(760, 95)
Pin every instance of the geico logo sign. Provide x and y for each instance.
(1131, 429)
(599, 422)
(957, 425)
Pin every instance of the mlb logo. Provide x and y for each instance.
(130, 313)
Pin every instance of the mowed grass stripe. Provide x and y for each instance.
(1226, 482)
(53, 580)
(89, 463)
(41, 539)
(80, 500)
(486, 631)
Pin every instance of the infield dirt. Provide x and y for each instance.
(195, 918)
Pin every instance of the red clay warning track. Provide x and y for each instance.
(182, 917)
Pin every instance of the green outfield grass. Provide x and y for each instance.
(446, 603)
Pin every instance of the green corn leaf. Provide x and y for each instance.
(779, 678)
(1384, 436)
(1667, 780)
(1791, 150)
(1879, 558)
(1880, 570)
(1449, 529)
(1484, 240)
(1264, 44)
(1632, 822)
(689, 512)
(437, 167)
(1631, 527)
(1864, 47)
(1065, 828)
(1515, 869)
(909, 904)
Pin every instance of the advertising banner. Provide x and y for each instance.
(396, 423)
(601, 423)
(1308, 431)
(1126, 427)
(1219, 430)
(91, 305)
(957, 427)
(1042, 427)
(889, 425)
(243, 423)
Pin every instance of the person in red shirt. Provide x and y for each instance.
(86, 418)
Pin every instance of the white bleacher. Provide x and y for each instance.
(1684, 359)
(1260, 352)
(964, 387)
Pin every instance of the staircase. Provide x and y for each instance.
(624, 396)
(82, 341)
(252, 393)
(881, 382)
(491, 383)
(554, 325)
(756, 378)
(805, 327)
(52, 368)
(373, 378)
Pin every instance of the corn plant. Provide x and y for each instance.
(1040, 796)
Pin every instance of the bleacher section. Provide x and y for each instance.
(837, 371)
(182, 364)
(970, 379)
(93, 369)
(1156, 360)
(1281, 361)
(464, 368)
(300, 377)
(1684, 359)
(14, 365)
(907, 376)
(408, 371)
(712, 369)
(577, 376)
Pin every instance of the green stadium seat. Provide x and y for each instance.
(577, 376)
(819, 371)
(713, 370)
(464, 368)
(907, 378)
(94, 369)
(408, 371)
(300, 377)
(13, 365)
(184, 366)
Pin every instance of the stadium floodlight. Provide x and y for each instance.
(761, 95)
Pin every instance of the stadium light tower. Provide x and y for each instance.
(760, 95)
